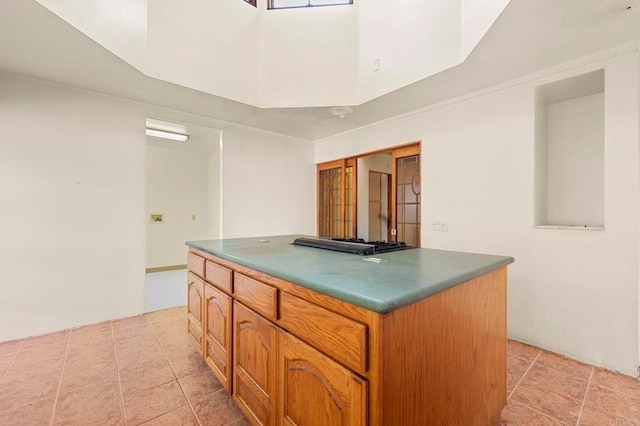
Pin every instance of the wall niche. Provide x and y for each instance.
(569, 153)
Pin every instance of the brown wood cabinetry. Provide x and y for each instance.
(315, 390)
(217, 333)
(293, 356)
(255, 365)
(195, 293)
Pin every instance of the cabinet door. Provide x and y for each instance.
(255, 362)
(315, 390)
(195, 290)
(217, 333)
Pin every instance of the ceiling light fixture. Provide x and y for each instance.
(341, 111)
(167, 135)
(167, 130)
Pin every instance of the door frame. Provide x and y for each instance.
(407, 151)
(396, 151)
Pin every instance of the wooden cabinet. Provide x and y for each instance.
(342, 338)
(260, 297)
(255, 365)
(195, 293)
(315, 390)
(294, 356)
(217, 333)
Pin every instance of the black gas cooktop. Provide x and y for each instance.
(352, 245)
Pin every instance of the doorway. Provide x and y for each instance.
(369, 219)
(406, 196)
(379, 205)
(182, 204)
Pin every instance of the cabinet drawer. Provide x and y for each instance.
(218, 276)
(339, 337)
(195, 264)
(257, 295)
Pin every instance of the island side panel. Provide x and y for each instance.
(444, 357)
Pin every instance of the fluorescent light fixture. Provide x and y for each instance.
(167, 135)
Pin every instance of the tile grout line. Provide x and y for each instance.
(193, 411)
(115, 352)
(523, 376)
(64, 363)
(15, 355)
(535, 410)
(584, 399)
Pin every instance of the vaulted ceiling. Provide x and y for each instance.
(301, 57)
(529, 35)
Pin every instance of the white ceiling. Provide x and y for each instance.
(530, 35)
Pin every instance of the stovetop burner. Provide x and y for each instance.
(352, 245)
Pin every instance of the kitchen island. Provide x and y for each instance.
(313, 337)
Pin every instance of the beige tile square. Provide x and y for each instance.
(516, 367)
(556, 394)
(521, 350)
(606, 407)
(616, 382)
(23, 385)
(182, 416)
(36, 354)
(35, 414)
(519, 415)
(146, 405)
(98, 402)
(130, 322)
(185, 360)
(146, 377)
(7, 348)
(92, 331)
(82, 373)
(47, 339)
(564, 364)
(198, 387)
(5, 362)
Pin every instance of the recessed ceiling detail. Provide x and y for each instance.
(303, 57)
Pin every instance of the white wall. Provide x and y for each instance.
(72, 208)
(211, 46)
(118, 25)
(177, 186)
(268, 184)
(309, 56)
(573, 292)
(72, 201)
(412, 38)
(477, 18)
(575, 162)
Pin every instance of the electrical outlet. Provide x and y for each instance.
(440, 226)
(376, 65)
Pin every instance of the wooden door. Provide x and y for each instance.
(406, 195)
(255, 365)
(315, 390)
(195, 290)
(337, 196)
(217, 333)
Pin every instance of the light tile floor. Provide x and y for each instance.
(165, 289)
(144, 370)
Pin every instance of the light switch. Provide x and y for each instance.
(193, 217)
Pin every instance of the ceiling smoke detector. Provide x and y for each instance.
(341, 111)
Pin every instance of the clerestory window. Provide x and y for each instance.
(285, 4)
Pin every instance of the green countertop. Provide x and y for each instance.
(405, 276)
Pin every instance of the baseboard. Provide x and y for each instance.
(166, 268)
